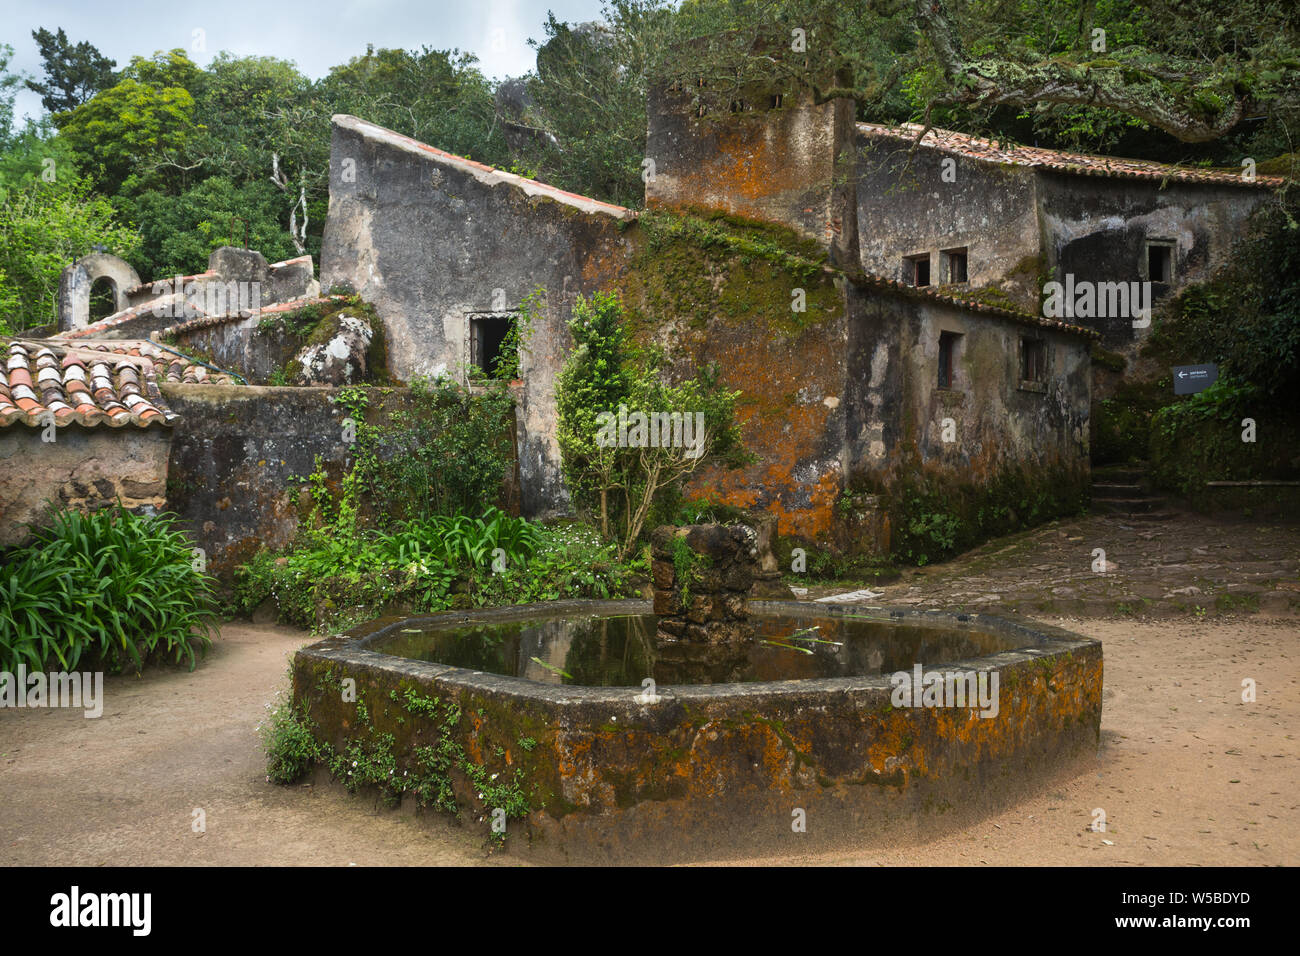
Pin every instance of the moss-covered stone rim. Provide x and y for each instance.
(1040, 642)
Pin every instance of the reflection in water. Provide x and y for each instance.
(620, 651)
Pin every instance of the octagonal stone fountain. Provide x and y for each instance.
(706, 724)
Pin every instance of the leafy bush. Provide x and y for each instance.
(1199, 439)
(446, 454)
(112, 587)
(605, 376)
(333, 578)
(1247, 317)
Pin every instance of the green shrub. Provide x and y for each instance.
(291, 748)
(112, 587)
(336, 579)
(446, 453)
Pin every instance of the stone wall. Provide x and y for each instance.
(239, 452)
(845, 395)
(1097, 229)
(235, 460)
(432, 239)
(785, 164)
(83, 467)
(702, 575)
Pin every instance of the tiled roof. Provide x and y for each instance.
(972, 303)
(172, 282)
(1082, 164)
(92, 383)
(96, 329)
(208, 321)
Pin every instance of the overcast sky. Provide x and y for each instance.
(315, 34)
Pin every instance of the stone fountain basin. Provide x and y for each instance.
(723, 769)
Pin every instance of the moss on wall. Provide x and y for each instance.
(315, 323)
(934, 515)
(708, 287)
(1199, 439)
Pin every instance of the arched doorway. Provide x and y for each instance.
(103, 298)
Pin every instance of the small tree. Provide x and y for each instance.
(605, 384)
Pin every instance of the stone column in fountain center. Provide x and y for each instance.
(702, 576)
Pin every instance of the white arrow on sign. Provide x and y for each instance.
(1182, 375)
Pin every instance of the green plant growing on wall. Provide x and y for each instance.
(685, 563)
(518, 334)
(446, 453)
(603, 381)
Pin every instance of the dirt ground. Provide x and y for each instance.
(1187, 773)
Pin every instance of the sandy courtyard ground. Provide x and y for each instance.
(1187, 773)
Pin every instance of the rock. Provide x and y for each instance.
(773, 589)
(722, 566)
(337, 353)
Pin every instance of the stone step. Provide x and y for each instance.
(1152, 516)
(1127, 505)
(1108, 490)
(1127, 474)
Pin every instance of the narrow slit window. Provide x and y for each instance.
(954, 265)
(947, 351)
(1033, 360)
(916, 270)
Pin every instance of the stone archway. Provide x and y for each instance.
(76, 282)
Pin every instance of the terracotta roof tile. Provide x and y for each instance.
(974, 304)
(1082, 164)
(209, 321)
(111, 383)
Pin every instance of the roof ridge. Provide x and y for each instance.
(875, 279)
(489, 175)
(1040, 157)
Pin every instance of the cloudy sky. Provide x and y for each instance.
(315, 34)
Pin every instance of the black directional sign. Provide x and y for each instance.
(1190, 379)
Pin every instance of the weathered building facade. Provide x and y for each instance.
(447, 250)
(871, 391)
(949, 209)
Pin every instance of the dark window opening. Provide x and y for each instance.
(954, 265)
(103, 299)
(947, 346)
(916, 270)
(1033, 360)
(1160, 262)
(776, 101)
(738, 106)
(487, 340)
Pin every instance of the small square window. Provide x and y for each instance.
(954, 265)
(488, 333)
(1160, 261)
(1033, 360)
(947, 350)
(916, 270)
